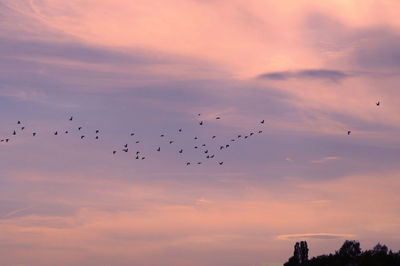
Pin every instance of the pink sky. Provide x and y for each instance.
(311, 69)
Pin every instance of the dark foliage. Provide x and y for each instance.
(349, 254)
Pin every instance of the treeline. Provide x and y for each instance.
(350, 254)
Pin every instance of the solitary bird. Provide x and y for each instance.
(180, 130)
(232, 140)
(70, 119)
(7, 140)
(137, 141)
(378, 103)
(199, 163)
(348, 132)
(97, 131)
(221, 147)
(221, 163)
(143, 158)
(227, 146)
(82, 136)
(199, 114)
(162, 135)
(218, 117)
(132, 134)
(259, 131)
(195, 137)
(114, 152)
(213, 137)
(212, 156)
(239, 136)
(34, 134)
(126, 145)
(188, 163)
(137, 152)
(14, 133)
(203, 145)
(66, 132)
(262, 122)
(19, 122)
(251, 134)
(171, 141)
(201, 123)
(55, 133)
(22, 128)
(79, 128)
(159, 149)
(246, 137)
(137, 157)
(180, 151)
(206, 151)
(195, 147)
(125, 150)
(97, 137)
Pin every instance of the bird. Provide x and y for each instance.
(199, 163)
(159, 149)
(97, 131)
(137, 157)
(82, 136)
(162, 135)
(195, 137)
(126, 145)
(213, 137)
(137, 141)
(137, 152)
(66, 132)
(22, 128)
(79, 128)
(262, 122)
(246, 137)
(212, 156)
(19, 122)
(171, 141)
(143, 158)
(2, 140)
(203, 145)
(227, 146)
(239, 136)
(180, 130)
(55, 133)
(208, 157)
(221, 163)
(7, 140)
(221, 147)
(195, 147)
(125, 150)
(188, 163)
(199, 114)
(14, 133)
(132, 134)
(259, 131)
(348, 132)
(114, 152)
(97, 137)
(251, 134)
(378, 103)
(206, 151)
(218, 117)
(180, 151)
(232, 140)
(70, 119)
(201, 123)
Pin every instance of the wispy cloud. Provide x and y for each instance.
(315, 236)
(326, 159)
(313, 74)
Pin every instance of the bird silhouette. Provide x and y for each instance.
(14, 133)
(66, 132)
(137, 152)
(203, 145)
(378, 103)
(227, 146)
(213, 137)
(137, 141)
(79, 128)
(132, 134)
(125, 150)
(195, 147)
(251, 134)
(55, 133)
(201, 123)
(97, 131)
(259, 131)
(199, 114)
(208, 157)
(180, 151)
(171, 141)
(97, 137)
(143, 158)
(348, 132)
(221, 163)
(7, 140)
(137, 157)
(159, 149)
(195, 137)
(199, 163)
(246, 137)
(161, 135)
(212, 156)
(114, 152)
(180, 130)
(70, 119)
(34, 134)
(232, 140)
(19, 122)
(262, 122)
(188, 163)
(218, 117)
(126, 145)
(22, 128)
(239, 136)
(221, 147)
(82, 136)
(206, 151)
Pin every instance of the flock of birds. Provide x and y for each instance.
(206, 151)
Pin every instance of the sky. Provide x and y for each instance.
(312, 70)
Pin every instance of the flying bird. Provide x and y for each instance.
(221, 147)
(137, 141)
(195, 137)
(137, 152)
(22, 128)
(251, 134)
(188, 163)
(348, 132)
(137, 157)
(201, 123)
(55, 133)
(213, 137)
(180, 130)
(161, 135)
(159, 149)
(206, 151)
(239, 136)
(7, 140)
(114, 152)
(143, 158)
(195, 147)
(378, 103)
(126, 145)
(82, 136)
(227, 146)
(180, 151)
(218, 117)
(97, 137)
(79, 128)
(97, 131)
(132, 134)
(203, 145)
(125, 150)
(221, 163)
(70, 119)
(14, 133)
(262, 122)
(259, 131)
(171, 141)
(19, 122)
(66, 132)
